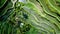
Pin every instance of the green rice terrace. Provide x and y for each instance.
(29, 16)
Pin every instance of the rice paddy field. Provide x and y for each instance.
(29, 16)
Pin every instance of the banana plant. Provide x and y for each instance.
(30, 17)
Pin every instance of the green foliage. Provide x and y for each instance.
(30, 17)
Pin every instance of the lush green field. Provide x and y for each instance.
(29, 16)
